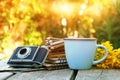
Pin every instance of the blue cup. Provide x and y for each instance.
(80, 52)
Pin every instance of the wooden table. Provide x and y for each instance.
(63, 74)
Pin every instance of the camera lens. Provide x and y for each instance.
(23, 51)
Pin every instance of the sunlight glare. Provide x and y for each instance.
(83, 6)
(64, 8)
(8, 51)
(80, 12)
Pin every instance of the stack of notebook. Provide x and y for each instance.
(56, 58)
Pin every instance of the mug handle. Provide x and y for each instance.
(104, 57)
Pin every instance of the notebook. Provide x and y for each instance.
(55, 63)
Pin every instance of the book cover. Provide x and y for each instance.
(55, 66)
(56, 60)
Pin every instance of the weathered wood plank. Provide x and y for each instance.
(5, 75)
(3, 65)
(110, 74)
(98, 74)
(92, 74)
(63, 74)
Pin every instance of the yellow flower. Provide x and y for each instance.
(108, 45)
(113, 58)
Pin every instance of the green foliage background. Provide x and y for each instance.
(29, 22)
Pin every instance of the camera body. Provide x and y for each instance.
(28, 56)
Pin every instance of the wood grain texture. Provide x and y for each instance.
(5, 75)
(98, 74)
(63, 74)
(3, 65)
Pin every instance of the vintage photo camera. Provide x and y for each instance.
(28, 56)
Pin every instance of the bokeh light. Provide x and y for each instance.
(64, 21)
